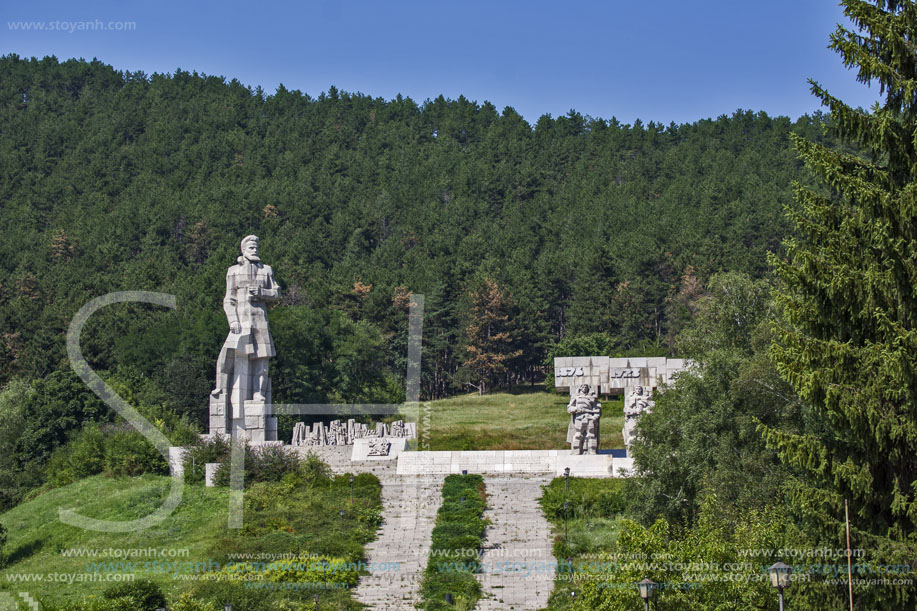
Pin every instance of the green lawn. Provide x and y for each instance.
(523, 420)
(292, 518)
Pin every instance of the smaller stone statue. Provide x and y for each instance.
(585, 410)
(637, 403)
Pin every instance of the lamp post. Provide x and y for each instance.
(646, 588)
(315, 598)
(351, 489)
(227, 607)
(565, 522)
(780, 578)
(566, 477)
(341, 513)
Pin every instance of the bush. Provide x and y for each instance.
(262, 464)
(314, 470)
(122, 603)
(129, 453)
(82, 457)
(201, 452)
(586, 498)
(187, 602)
(270, 463)
(113, 450)
(146, 595)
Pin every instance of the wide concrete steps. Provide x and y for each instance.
(518, 564)
(398, 556)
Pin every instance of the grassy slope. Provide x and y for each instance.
(513, 421)
(37, 537)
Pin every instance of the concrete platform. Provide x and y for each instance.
(504, 462)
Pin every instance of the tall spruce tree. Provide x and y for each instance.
(847, 336)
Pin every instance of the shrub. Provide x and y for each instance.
(146, 595)
(314, 469)
(303, 569)
(82, 457)
(187, 602)
(114, 450)
(586, 498)
(262, 464)
(201, 452)
(122, 603)
(129, 453)
(270, 463)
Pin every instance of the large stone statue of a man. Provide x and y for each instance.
(637, 404)
(585, 411)
(241, 400)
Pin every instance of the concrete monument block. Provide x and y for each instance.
(616, 375)
(210, 474)
(177, 460)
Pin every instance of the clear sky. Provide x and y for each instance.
(669, 60)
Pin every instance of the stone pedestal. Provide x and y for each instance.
(210, 474)
(177, 460)
(257, 426)
(219, 415)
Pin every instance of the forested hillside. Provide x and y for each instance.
(572, 226)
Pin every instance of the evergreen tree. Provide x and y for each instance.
(847, 338)
(489, 341)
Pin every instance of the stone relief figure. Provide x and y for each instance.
(378, 447)
(636, 404)
(242, 366)
(585, 412)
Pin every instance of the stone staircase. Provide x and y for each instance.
(398, 556)
(518, 563)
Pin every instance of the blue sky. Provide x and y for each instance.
(662, 61)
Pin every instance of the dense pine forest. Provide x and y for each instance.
(571, 236)
(541, 233)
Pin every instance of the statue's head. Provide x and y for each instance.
(250, 247)
(584, 389)
(638, 390)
